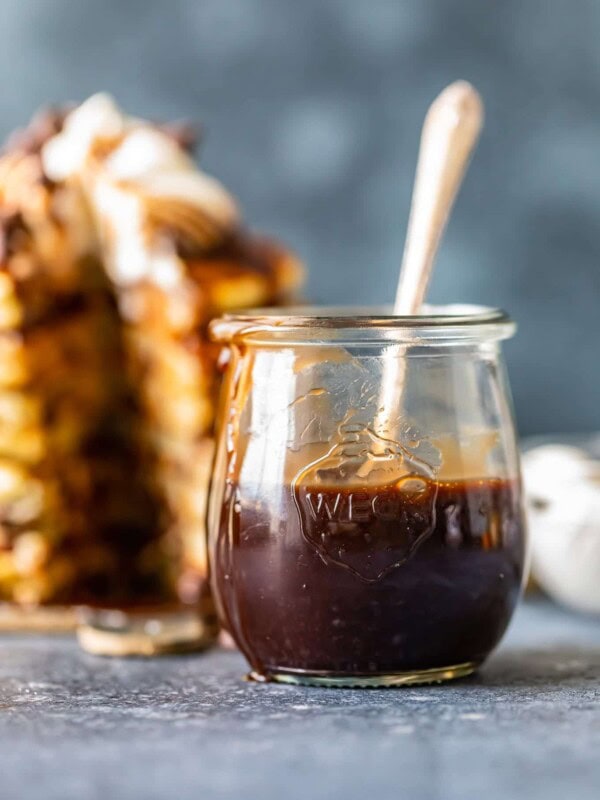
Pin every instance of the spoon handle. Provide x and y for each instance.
(450, 131)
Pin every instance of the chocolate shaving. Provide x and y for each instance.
(186, 134)
(44, 124)
(12, 225)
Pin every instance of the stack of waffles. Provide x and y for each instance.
(115, 252)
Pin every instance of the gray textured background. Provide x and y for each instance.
(312, 110)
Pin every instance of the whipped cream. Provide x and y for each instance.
(562, 486)
(67, 153)
(138, 183)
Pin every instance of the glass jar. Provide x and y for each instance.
(365, 519)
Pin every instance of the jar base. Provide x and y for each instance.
(331, 680)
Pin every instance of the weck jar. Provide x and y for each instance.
(365, 519)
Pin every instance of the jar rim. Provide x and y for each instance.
(456, 321)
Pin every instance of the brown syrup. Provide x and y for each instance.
(369, 580)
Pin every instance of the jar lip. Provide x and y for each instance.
(460, 319)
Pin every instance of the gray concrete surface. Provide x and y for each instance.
(528, 726)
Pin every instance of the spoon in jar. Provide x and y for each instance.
(450, 132)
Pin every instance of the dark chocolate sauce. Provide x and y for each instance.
(369, 581)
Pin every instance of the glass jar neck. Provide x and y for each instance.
(350, 327)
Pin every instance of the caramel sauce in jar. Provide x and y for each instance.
(370, 581)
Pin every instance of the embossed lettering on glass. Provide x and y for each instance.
(357, 540)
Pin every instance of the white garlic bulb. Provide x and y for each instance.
(562, 489)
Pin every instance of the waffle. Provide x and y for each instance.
(115, 252)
